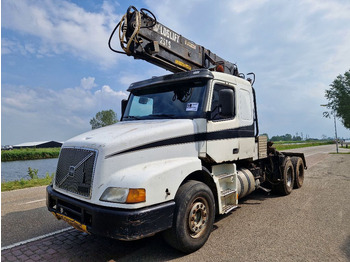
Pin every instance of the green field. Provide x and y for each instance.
(292, 145)
(29, 154)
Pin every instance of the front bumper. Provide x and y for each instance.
(124, 224)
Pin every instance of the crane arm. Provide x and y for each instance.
(143, 37)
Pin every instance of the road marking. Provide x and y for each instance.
(34, 201)
(36, 238)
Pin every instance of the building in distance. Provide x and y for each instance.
(43, 144)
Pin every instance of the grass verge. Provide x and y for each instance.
(287, 146)
(340, 153)
(29, 154)
(25, 183)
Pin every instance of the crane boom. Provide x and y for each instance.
(143, 37)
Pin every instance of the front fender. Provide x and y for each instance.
(161, 179)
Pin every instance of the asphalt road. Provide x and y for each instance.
(311, 224)
(24, 215)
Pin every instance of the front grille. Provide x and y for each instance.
(75, 170)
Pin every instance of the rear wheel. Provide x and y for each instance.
(193, 217)
(285, 187)
(299, 168)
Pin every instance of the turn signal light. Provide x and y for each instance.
(136, 195)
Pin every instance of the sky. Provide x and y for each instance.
(57, 71)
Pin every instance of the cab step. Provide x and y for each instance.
(223, 176)
(228, 208)
(227, 192)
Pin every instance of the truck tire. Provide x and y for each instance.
(193, 217)
(285, 187)
(298, 166)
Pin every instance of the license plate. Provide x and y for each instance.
(77, 225)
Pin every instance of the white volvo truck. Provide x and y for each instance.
(187, 147)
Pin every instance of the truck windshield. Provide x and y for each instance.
(185, 100)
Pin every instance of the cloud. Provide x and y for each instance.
(238, 7)
(128, 77)
(62, 27)
(55, 114)
(9, 46)
(332, 10)
(87, 83)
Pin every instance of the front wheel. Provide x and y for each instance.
(193, 217)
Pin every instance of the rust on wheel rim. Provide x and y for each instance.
(198, 217)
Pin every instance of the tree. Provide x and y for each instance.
(104, 118)
(339, 98)
(265, 134)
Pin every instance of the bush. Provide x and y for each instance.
(29, 154)
(33, 173)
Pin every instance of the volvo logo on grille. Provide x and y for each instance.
(71, 171)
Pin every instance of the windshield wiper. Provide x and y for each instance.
(163, 115)
(131, 118)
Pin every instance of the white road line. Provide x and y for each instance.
(36, 238)
(34, 201)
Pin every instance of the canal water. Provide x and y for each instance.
(16, 170)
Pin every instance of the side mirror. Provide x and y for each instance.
(226, 103)
(124, 104)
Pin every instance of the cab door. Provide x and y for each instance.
(232, 137)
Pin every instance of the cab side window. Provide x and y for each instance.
(215, 107)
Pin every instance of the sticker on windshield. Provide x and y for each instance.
(192, 107)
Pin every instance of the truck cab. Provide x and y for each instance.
(174, 128)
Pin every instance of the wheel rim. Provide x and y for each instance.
(198, 217)
(289, 177)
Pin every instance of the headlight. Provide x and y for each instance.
(124, 195)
